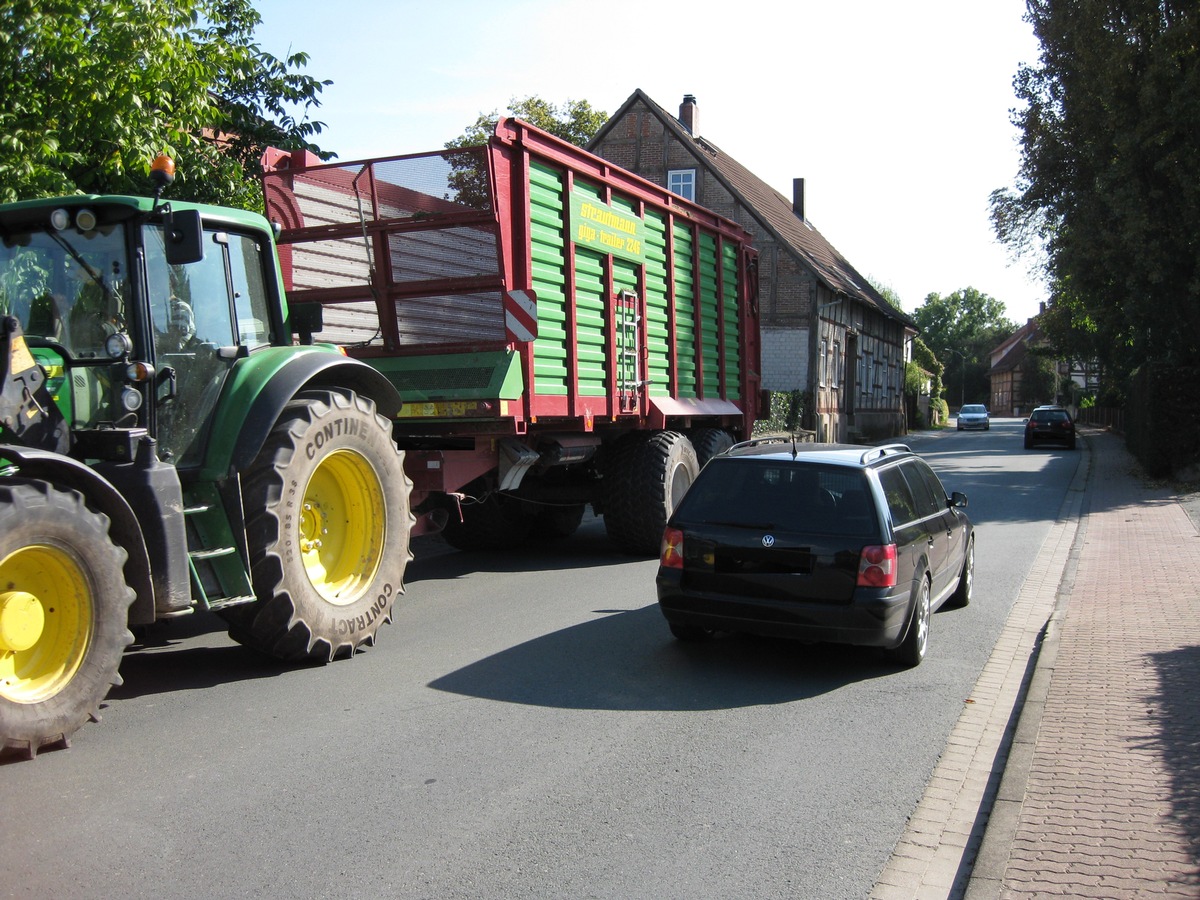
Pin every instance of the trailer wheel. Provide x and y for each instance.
(494, 523)
(327, 522)
(709, 442)
(64, 614)
(556, 522)
(644, 479)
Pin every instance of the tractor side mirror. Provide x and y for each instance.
(184, 238)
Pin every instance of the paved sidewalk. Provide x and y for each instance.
(1101, 794)
(1096, 793)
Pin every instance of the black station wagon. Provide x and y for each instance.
(818, 542)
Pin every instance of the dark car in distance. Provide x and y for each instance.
(974, 416)
(816, 542)
(1049, 424)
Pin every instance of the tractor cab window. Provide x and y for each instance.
(202, 313)
(249, 291)
(69, 289)
(221, 300)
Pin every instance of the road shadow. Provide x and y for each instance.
(589, 548)
(191, 654)
(1179, 736)
(626, 660)
(194, 652)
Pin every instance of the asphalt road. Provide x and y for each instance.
(526, 727)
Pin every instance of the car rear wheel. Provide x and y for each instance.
(966, 580)
(916, 641)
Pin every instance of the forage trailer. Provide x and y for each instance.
(561, 332)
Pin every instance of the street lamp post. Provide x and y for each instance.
(962, 376)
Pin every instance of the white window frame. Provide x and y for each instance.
(682, 182)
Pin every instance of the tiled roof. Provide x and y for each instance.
(1015, 348)
(773, 211)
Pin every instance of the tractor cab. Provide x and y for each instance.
(135, 314)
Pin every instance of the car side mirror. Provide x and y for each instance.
(958, 500)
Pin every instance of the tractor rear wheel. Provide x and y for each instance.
(327, 522)
(64, 614)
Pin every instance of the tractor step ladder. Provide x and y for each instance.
(220, 576)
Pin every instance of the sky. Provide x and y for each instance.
(896, 113)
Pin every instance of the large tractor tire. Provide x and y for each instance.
(327, 523)
(645, 477)
(552, 523)
(64, 614)
(494, 522)
(709, 442)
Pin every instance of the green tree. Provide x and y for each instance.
(575, 121)
(94, 89)
(888, 293)
(924, 366)
(1039, 380)
(962, 329)
(1108, 191)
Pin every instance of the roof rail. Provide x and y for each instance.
(882, 451)
(767, 439)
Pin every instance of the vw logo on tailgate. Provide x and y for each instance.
(768, 541)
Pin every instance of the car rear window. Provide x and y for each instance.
(781, 495)
(1050, 415)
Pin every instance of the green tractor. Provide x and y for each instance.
(167, 446)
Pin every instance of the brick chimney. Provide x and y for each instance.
(688, 114)
(798, 198)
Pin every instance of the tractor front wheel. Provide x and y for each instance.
(327, 522)
(64, 614)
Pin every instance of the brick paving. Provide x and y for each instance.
(1095, 793)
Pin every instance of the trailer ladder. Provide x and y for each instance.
(630, 348)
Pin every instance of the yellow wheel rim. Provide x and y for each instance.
(46, 622)
(343, 527)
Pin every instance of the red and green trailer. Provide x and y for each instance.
(562, 332)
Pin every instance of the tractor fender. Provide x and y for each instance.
(262, 385)
(101, 495)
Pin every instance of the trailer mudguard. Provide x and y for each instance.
(102, 496)
(262, 384)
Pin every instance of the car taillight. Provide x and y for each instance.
(877, 566)
(671, 555)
